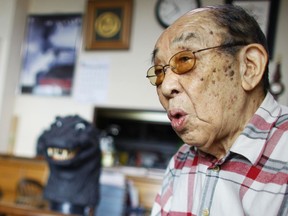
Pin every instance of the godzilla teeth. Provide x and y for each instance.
(60, 153)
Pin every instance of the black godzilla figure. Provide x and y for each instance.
(71, 147)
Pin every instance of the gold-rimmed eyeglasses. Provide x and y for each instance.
(180, 63)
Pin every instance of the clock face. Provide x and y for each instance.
(167, 11)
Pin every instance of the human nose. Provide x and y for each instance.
(170, 84)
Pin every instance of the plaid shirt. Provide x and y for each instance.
(251, 180)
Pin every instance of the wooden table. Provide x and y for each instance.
(10, 209)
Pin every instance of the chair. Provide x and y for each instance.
(29, 192)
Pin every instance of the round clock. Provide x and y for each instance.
(167, 11)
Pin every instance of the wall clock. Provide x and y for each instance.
(167, 11)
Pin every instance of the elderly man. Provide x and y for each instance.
(211, 74)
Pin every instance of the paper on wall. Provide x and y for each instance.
(91, 83)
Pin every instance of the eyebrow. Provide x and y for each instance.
(183, 37)
(154, 53)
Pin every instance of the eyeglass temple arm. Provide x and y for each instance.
(222, 46)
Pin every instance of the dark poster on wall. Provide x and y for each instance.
(49, 54)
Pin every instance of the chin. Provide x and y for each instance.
(194, 140)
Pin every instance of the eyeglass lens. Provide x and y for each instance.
(180, 63)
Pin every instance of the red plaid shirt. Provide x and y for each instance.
(251, 180)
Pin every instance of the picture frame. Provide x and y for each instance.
(266, 13)
(49, 53)
(108, 24)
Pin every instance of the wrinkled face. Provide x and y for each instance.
(205, 103)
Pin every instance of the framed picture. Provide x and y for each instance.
(266, 13)
(108, 24)
(49, 54)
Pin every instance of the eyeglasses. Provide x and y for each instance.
(180, 63)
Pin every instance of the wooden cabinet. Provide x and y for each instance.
(12, 169)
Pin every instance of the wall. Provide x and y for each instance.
(128, 86)
(281, 47)
(11, 35)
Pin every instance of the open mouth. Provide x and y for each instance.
(175, 115)
(61, 154)
(177, 118)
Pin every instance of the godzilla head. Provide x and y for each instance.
(71, 148)
(70, 141)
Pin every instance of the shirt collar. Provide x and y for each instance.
(253, 138)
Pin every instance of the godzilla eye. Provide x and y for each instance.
(59, 123)
(80, 126)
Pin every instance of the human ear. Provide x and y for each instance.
(253, 61)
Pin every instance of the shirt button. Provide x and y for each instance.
(216, 169)
(205, 212)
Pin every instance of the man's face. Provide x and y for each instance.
(205, 103)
